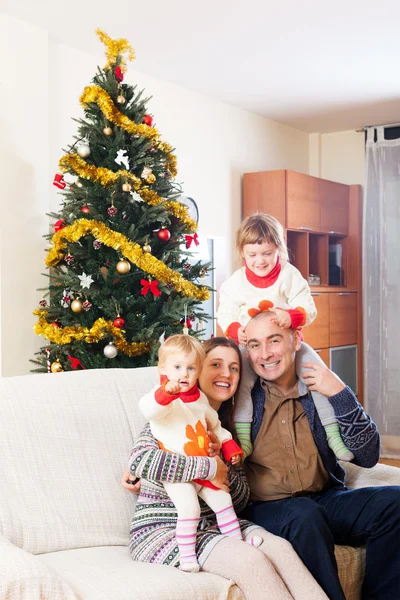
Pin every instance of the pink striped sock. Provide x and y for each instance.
(186, 537)
(228, 523)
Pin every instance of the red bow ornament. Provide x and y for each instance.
(192, 238)
(75, 362)
(151, 286)
(119, 76)
(58, 181)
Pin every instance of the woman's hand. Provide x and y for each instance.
(130, 487)
(214, 447)
(235, 460)
(221, 480)
(242, 337)
(282, 318)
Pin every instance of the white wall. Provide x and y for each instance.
(215, 144)
(338, 156)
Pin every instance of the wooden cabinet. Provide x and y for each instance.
(324, 355)
(302, 202)
(343, 322)
(334, 207)
(317, 334)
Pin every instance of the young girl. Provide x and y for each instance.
(269, 282)
(180, 415)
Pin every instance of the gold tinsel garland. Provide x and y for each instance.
(132, 251)
(99, 329)
(96, 94)
(115, 48)
(106, 177)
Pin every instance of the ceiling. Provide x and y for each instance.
(314, 65)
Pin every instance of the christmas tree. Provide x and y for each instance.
(121, 277)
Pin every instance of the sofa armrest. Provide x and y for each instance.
(24, 576)
(358, 477)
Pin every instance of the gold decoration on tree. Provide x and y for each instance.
(96, 333)
(130, 250)
(115, 48)
(56, 367)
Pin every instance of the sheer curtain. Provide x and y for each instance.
(381, 289)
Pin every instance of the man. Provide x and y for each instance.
(297, 485)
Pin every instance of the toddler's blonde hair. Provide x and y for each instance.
(260, 228)
(187, 344)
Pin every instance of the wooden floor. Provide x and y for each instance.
(390, 461)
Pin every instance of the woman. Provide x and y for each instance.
(273, 569)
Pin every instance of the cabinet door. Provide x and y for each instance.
(317, 334)
(334, 207)
(342, 319)
(302, 202)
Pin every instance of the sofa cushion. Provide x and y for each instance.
(351, 568)
(65, 440)
(109, 573)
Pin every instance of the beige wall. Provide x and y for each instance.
(215, 144)
(338, 156)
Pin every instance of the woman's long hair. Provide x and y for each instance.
(227, 408)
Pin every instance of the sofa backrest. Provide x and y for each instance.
(65, 440)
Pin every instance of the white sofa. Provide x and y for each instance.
(64, 517)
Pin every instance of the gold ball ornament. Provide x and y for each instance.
(84, 150)
(123, 267)
(121, 99)
(126, 187)
(76, 305)
(202, 273)
(107, 131)
(147, 248)
(78, 184)
(56, 367)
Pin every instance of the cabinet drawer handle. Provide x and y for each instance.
(344, 294)
(306, 228)
(315, 294)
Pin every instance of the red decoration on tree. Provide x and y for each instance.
(86, 305)
(150, 285)
(164, 234)
(119, 322)
(119, 76)
(191, 238)
(60, 224)
(58, 181)
(56, 325)
(43, 303)
(189, 323)
(112, 211)
(75, 363)
(69, 259)
(148, 120)
(85, 209)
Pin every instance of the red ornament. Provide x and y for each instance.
(69, 259)
(60, 224)
(86, 305)
(56, 325)
(191, 238)
(43, 303)
(85, 209)
(58, 181)
(119, 322)
(189, 323)
(148, 120)
(75, 362)
(112, 211)
(119, 76)
(164, 234)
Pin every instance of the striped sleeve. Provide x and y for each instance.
(239, 488)
(148, 461)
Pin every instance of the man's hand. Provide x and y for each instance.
(172, 387)
(221, 480)
(319, 378)
(214, 447)
(282, 318)
(242, 337)
(131, 487)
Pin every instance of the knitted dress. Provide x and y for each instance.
(153, 529)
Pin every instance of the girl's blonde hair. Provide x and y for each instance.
(187, 344)
(260, 228)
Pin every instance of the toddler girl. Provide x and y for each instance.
(179, 415)
(269, 282)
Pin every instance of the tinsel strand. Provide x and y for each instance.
(131, 250)
(106, 177)
(96, 94)
(115, 48)
(97, 332)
